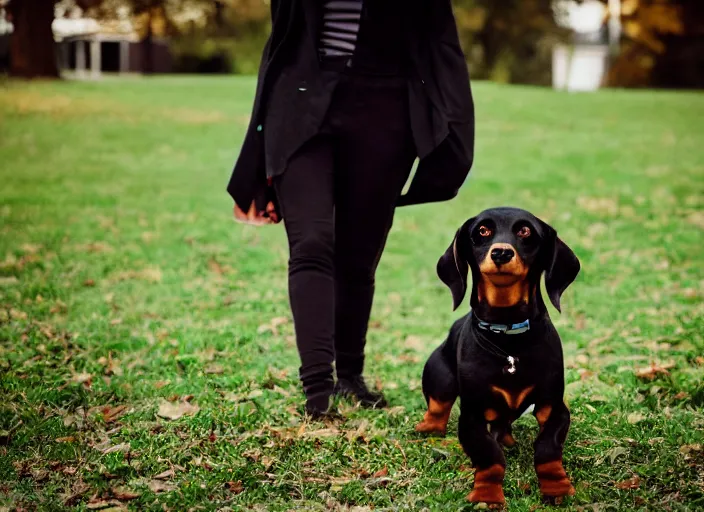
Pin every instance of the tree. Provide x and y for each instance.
(508, 40)
(662, 44)
(32, 48)
(32, 45)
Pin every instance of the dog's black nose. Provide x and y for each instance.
(501, 256)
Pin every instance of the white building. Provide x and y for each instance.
(581, 65)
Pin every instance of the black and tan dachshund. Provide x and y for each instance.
(505, 355)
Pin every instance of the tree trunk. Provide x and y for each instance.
(32, 47)
(148, 47)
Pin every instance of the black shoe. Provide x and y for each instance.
(318, 405)
(356, 388)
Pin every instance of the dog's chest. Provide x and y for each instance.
(487, 381)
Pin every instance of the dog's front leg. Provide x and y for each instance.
(486, 455)
(554, 421)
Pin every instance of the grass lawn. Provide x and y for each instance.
(127, 293)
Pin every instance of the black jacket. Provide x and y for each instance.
(293, 94)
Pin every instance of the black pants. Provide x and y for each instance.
(337, 198)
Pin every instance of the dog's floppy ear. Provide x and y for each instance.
(560, 264)
(453, 266)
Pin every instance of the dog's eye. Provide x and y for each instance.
(484, 231)
(523, 232)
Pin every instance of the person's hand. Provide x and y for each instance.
(255, 216)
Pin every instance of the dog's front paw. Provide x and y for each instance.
(431, 428)
(553, 480)
(488, 486)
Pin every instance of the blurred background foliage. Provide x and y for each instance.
(661, 42)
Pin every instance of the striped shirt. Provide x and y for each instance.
(340, 27)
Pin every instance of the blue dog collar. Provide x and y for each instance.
(518, 328)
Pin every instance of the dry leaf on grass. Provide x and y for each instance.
(655, 369)
(382, 472)
(169, 473)
(77, 491)
(82, 378)
(122, 447)
(157, 486)
(111, 414)
(105, 505)
(631, 483)
(635, 417)
(214, 369)
(124, 494)
(174, 411)
(273, 325)
(688, 449)
(235, 487)
(615, 452)
(414, 343)
(112, 366)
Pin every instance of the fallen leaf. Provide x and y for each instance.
(112, 366)
(382, 472)
(16, 314)
(157, 486)
(631, 483)
(82, 378)
(173, 411)
(524, 486)
(78, 490)
(97, 504)
(216, 267)
(40, 475)
(255, 393)
(253, 454)
(273, 325)
(235, 487)
(635, 417)
(214, 369)
(124, 494)
(68, 439)
(414, 343)
(31, 248)
(111, 414)
(652, 371)
(613, 453)
(689, 448)
(105, 505)
(169, 473)
(681, 395)
(122, 447)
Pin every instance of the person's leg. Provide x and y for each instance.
(373, 158)
(305, 195)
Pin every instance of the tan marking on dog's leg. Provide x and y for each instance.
(514, 402)
(435, 418)
(542, 415)
(507, 396)
(488, 485)
(508, 441)
(553, 479)
(522, 396)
